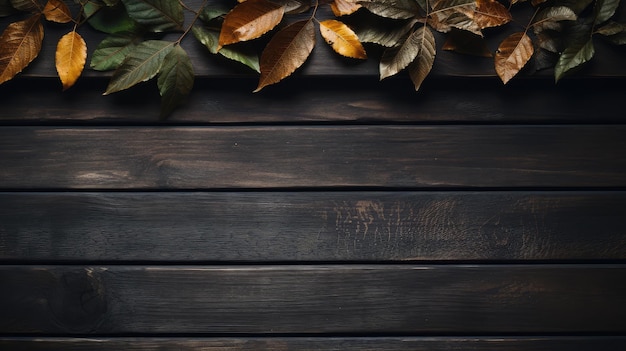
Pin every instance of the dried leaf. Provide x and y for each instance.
(491, 13)
(344, 7)
(112, 51)
(465, 42)
(142, 64)
(512, 55)
(383, 34)
(398, 58)
(444, 20)
(342, 39)
(175, 79)
(250, 20)
(396, 9)
(612, 28)
(573, 56)
(70, 59)
(293, 7)
(466, 6)
(548, 17)
(286, 52)
(423, 63)
(26, 5)
(57, 11)
(157, 15)
(20, 44)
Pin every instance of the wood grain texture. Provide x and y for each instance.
(312, 226)
(553, 343)
(287, 157)
(403, 299)
(362, 100)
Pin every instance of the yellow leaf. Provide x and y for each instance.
(512, 54)
(20, 44)
(70, 58)
(250, 20)
(344, 7)
(491, 13)
(342, 39)
(287, 51)
(57, 11)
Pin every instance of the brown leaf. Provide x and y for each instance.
(344, 7)
(250, 20)
(512, 54)
(342, 39)
(57, 11)
(423, 63)
(491, 13)
(287, 51)
(20, 44)
(71, 55)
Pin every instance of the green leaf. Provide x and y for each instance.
(107, 19)
(157, 15)
(398, 58)
(141, 64)
(397, 9)
(603, 10)
(210, 38)
(574, 56)
(554, 14)
(175, 79)
(26, 5)
(577, 6)
(112, 51)
(213, 11)
(423, 63)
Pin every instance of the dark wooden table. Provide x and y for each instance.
(329, 212)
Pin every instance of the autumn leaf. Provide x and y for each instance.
(398, 58)
(157, 15)
(385, 35)
(342, 39)
(286, 52)
(249, 20)
(548, 17)
(70, 59)
(491, 13)
(20, 44)
(344, 7)
(512, 55)
(396, 9)
(175, 79)
(57, 11)
(142, 64)
(423, 63)
(293, 7)
(112, 51)
(448, 14)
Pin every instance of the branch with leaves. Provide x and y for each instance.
(276, 37)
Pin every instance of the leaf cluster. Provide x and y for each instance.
(560, 35)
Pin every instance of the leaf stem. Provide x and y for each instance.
(195, 19)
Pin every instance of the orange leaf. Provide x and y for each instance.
(250, 20)
(57, 11)
(342, 39)
(70, 58)
(287, 51)
(491, 13)
(20, 44)
(512, 54)
(344, 7)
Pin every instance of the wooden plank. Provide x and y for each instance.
(312, 226)
(552, 343)
(352, 299)
(323, 100)
(287, 157)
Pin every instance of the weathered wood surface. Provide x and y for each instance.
(288, 157)
(312, 226)
(306, 100)
(353, 299)
(551, 343)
